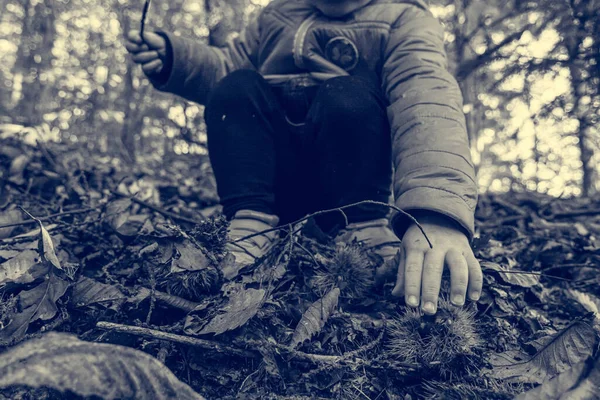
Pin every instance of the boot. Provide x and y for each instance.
(375, 235)
(245, 223)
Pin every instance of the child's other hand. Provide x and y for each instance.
(150, 52)
(420, 270)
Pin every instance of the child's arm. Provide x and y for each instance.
(435, 177)
(190, 68)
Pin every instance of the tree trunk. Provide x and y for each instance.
(34, 56)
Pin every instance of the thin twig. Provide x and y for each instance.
(561, 266)
(529, 273)
(171, 337)
(159, 210)
(340, 209)
(144, 15)
(62, 214)
(576, 213)
(304, 249)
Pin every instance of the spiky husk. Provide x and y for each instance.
(351, 268)
(485, 390)
(447, 342)
(193, 285)
(7, 307)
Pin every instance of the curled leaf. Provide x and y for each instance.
(315, 318)
(46, 247)
(556, 354)
(65, 363)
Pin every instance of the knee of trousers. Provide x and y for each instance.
(349, 98)
(236, 88)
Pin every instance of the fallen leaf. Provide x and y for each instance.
(512, 277)
(38, 303)
(315, 318)
(7, 218)
(24, 268)
(8, 254)
(556, 354)
(188, 258)
(587, 301)
(243, 304)
(554, 388)
(230, 267)
(87, 292)
(46, 247)
(67, 364)
(17, 168)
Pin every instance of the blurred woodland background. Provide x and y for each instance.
(529, 71)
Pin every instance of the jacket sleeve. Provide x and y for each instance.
(433, 167)
(197, 67)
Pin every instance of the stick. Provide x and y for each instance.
(171, 337)
(340, 209)
(166, 213)
(62, 214)
(144, 14)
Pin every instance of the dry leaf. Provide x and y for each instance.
(188, 258)
(241, 307)
(46, 247)
(6, 218)
(559, 353)
(38, 303)
(22, 269)
(554, 388)
(65, 363)
(87, 292)
(315, 318)
(587, 301)
(512, 277)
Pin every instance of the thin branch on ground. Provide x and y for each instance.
(529, 273)
(159, 210)
(339, 209)
(49, 217)
(171, 337)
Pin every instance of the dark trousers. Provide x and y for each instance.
(267, 156)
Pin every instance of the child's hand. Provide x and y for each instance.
(150, 53)
(420, 270)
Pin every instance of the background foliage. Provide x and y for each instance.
(528, 70)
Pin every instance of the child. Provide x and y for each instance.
(306, 110)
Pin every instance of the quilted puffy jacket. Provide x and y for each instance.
(296, 42)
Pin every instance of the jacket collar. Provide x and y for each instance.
(338, 8)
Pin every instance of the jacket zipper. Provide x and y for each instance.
(299, 40)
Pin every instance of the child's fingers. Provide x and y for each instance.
(413, 270)
(134, 36)
(145, 57)
(433, 267)
(459, 276)
(398, 290)
(475, 278)
(154, 41)
(136, 48)
(153, 67)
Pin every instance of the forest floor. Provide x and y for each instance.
(112, 287)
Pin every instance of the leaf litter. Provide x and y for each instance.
(307, 320)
